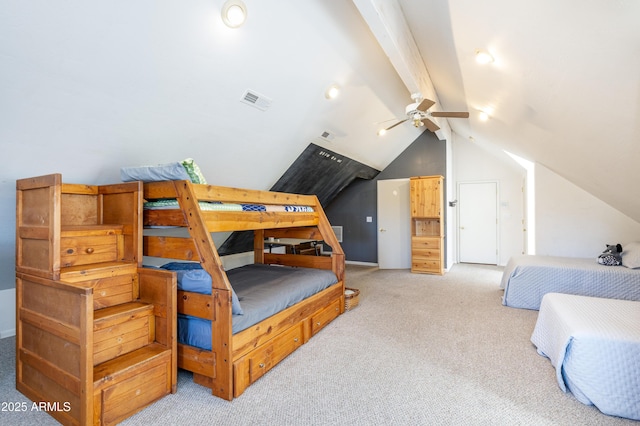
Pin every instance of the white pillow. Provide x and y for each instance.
(631, 255)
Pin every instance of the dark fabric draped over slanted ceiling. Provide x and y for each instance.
(316, 171)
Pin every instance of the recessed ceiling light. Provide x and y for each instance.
(332, 92)
(483, 57)
(485, 113)
(234, 13)
(382, 132)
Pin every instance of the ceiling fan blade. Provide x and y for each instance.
(425, 105)
(430, 124)
(450, 114)
(397, 124)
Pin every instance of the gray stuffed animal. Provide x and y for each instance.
(611, 256)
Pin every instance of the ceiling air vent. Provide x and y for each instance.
(327, 135)
(255, 99)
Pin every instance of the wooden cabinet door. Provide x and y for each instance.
(426, 197)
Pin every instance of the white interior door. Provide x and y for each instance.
(478, 222)
(394, 226)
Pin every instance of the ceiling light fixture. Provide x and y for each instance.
(483, 57)
(417, 120)
(382, 132)
(332, 92)
(485, 113)
(234, 13)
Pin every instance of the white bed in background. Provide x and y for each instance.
(594, 345)
(527, 278)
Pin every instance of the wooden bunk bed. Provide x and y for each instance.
(236, 360)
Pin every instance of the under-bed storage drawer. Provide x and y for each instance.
(264, 358)
(324, 316)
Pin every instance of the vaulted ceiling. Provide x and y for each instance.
(88, 87)
(563, 90)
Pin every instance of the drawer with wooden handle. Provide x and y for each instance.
(425, 254)
(426, 243)
(86, 250)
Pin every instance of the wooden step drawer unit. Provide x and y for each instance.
(95, 332)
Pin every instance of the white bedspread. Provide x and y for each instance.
(594, 345)
(527, 278)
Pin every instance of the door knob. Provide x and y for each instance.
(382, 230)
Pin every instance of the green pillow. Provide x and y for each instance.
(193, 171)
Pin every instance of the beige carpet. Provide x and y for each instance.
(418, 350)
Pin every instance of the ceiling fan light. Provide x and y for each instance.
(483, 57)
(234, 13)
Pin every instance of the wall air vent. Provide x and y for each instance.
(338, 231)
(255, 99)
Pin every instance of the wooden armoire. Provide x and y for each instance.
(95, 332)
(427, 224)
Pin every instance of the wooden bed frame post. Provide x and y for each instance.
(330, 238)
(258, 246)
(222, 373)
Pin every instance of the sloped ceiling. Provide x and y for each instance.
(89, 87)
(563, 91)
(146, 82)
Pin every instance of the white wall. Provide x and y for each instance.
(473, 163)
(7, 313)
(571, 222)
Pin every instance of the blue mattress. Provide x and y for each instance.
(263, 290)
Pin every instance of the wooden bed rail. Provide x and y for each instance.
(302, 225)
(169, 189)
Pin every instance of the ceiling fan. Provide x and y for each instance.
(418, 114)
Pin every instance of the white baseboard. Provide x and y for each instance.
(7, 333)
(7, 313)
(354, 262)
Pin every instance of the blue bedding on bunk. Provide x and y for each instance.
(263, 290)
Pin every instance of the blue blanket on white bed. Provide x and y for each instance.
(527, 278)
(594, 345)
